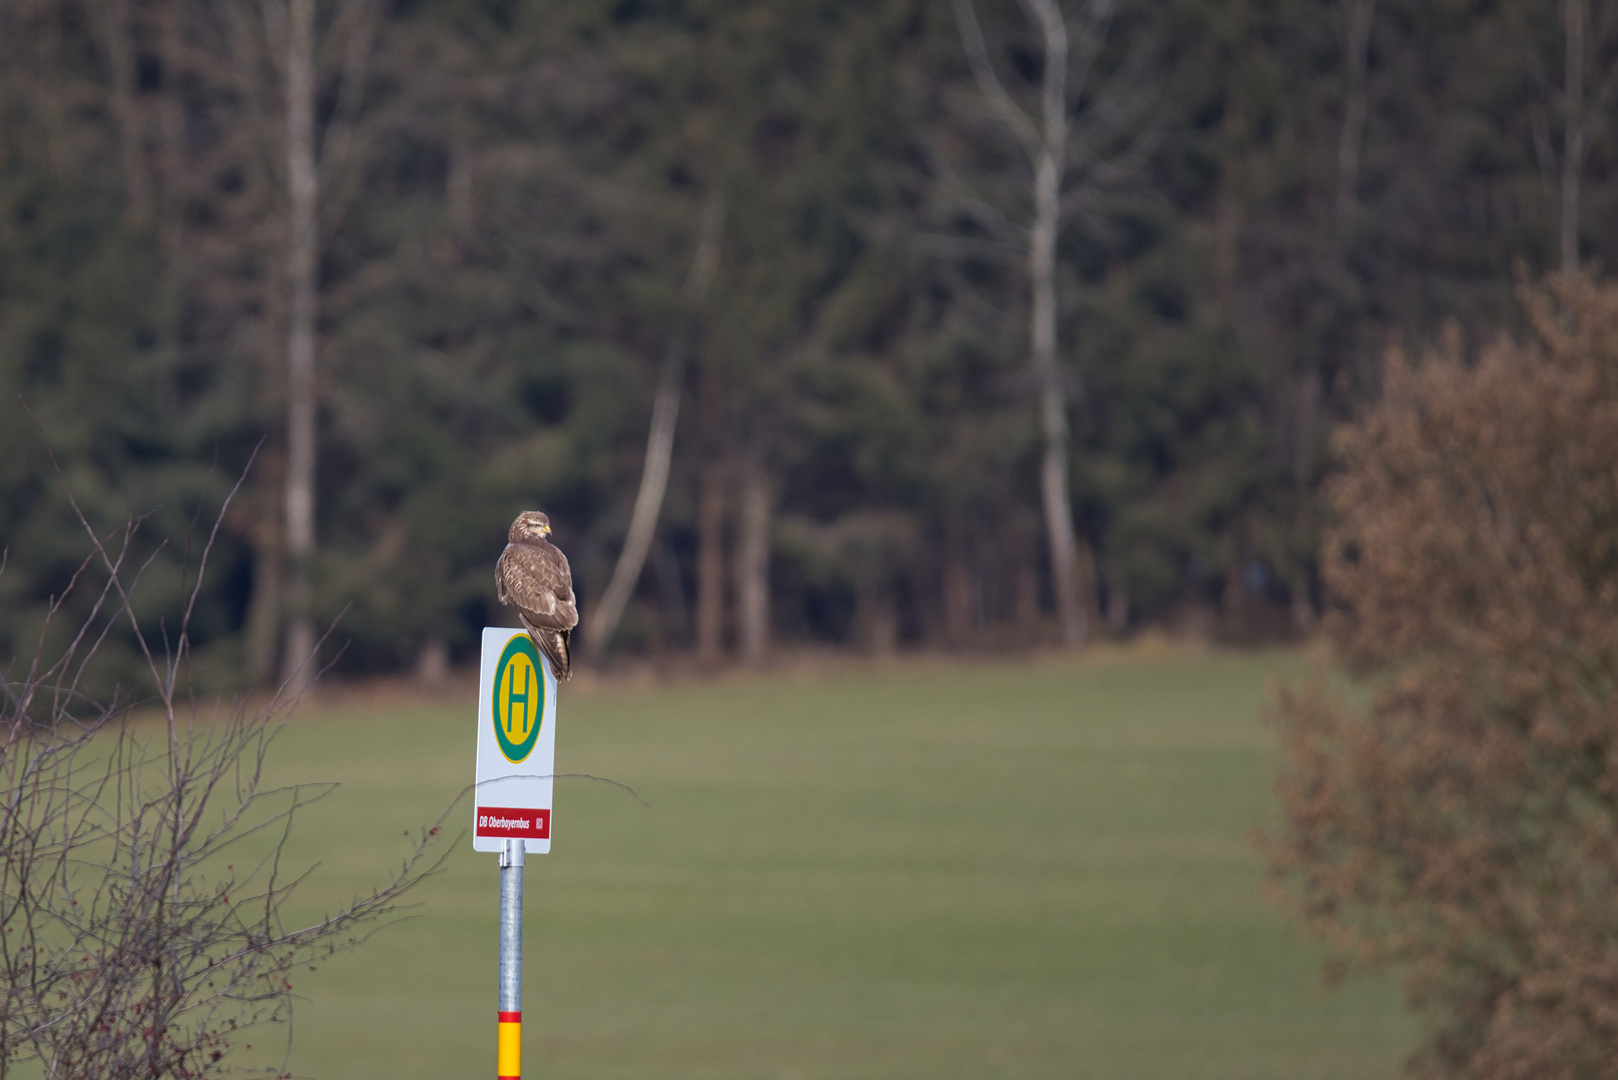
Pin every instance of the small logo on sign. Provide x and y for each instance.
(519, 698)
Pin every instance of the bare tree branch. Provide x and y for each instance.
(977, 55)
(121, 959)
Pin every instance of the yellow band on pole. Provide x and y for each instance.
(510, 1055)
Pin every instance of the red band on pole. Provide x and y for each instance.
(510, 1017)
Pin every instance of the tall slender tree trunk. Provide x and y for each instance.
(671, 590)
(1356, 52)
(711, 563)
(660, 439)
(1575, 17)
(753, 560)
(263, 614)
(1306, 430)
(302, 256)
(432, 661)
(1048, 170)
(1045, 139)
(877, 617)
(268, 538)
(648, 503)
(713, 479)
(958, 621)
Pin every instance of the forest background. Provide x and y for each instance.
(437, 261)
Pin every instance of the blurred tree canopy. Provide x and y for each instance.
(509, 198)
(1461, 825)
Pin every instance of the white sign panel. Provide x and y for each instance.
(516, 743)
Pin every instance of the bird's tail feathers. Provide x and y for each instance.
(561, 655)
(553, 643)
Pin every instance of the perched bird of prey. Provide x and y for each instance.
(532, 574)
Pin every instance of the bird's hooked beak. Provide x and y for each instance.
(546, 529)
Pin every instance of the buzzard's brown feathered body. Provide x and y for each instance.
(532, 574)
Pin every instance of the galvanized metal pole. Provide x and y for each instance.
(510, 1046)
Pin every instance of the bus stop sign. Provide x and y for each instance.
(516, 743)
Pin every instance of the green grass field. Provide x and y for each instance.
(943, 870)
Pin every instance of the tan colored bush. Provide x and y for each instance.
(1464, 826)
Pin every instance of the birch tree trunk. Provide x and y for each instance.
(660, 439)
(302, 254)
(1048, 169)
(1046, 144)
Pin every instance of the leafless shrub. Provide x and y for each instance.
(1465, 825)
(142, 889)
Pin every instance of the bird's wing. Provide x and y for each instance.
(501, 571)
(537, 580)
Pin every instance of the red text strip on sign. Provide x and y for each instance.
(505, 821)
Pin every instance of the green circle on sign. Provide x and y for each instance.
(518, 699)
